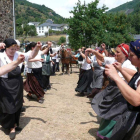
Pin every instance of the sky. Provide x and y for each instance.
(62, 7)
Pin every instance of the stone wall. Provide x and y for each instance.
(6, 19)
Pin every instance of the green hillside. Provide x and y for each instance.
(29, 12)
(134, 4)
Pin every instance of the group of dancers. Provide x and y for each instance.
(118, 104)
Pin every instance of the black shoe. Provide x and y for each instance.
(18, 128)
(41, 101)
(49, 87)
(80, 94)
(12, 135)
(29, 97)
(23, 109)
(45, 90)
(91, 95)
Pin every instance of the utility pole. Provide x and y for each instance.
(14, 21)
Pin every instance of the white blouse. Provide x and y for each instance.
(36, 64)
(85, 65)
(126, 64)
(4, 60)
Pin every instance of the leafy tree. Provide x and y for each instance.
(117, 30)
(62, 40)
(134, 21)
(90, 25)
(85, 27)
(26, 30)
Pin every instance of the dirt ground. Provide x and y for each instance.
(62, 116)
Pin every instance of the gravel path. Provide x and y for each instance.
(62, 116)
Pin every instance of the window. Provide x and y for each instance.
(39, 28)
(42, 31)
(39, 31)
(42, 28)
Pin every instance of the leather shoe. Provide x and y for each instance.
(80, 94)
(18, 128)
(91, 96)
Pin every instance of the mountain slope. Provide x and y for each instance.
(124, 7)
(30, 12)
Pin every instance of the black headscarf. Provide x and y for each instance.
(8, 42)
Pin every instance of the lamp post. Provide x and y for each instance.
(14, 21)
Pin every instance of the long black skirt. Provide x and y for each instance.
(8, 121)
(45, 81)
(11, 98)
(85, 79)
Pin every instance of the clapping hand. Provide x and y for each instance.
(111, 71)
(39, 44)
(41, 60)
(2, 46)
(103, 45)
(20, 58)
(118, 66)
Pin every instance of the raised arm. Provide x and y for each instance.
(87, 58)
(2, 46)
(46, 50)
(99, 62)
(9, 67)
(35, 50)
(83, 55)
(52, 55)
(96, 53)
(104, 48)
(131, 95)
(126, 72)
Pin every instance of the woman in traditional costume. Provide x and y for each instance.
(130, 92)
(33, 83)
(109, 104)
(85, 77)
(11, 87)
(98, 78)
(46, 68)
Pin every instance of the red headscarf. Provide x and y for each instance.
(124, 48)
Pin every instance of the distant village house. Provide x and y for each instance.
(42, 29)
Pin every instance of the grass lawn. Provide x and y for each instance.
(43, 39)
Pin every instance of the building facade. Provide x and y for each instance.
(44, 28)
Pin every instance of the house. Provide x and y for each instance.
(34, 23)
(44, 28)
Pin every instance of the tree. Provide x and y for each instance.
(90, 25)
(62, 40)
(85, 27)
(117, 30)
